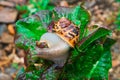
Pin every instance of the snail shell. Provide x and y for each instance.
(68, 31)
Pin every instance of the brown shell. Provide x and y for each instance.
(67, 31)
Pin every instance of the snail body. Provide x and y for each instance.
(57, 50)
(63, 37)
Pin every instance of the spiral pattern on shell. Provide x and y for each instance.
(67, 30)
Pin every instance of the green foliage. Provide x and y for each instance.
(92, 37)
(34, 6)
(15, 65)
(21, 71)
(90, 59)
(117, 22)
(34, 74)
(30, 29)
(92, 63)
(117, 0)
(100, 32)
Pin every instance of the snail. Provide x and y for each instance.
(60, 40)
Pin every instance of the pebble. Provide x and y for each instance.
(9, 48)
(11, 29)
(7, 3)
(116, 47)
(10, 71)
(2, 53)
(18, 1)
(115, 63)
(7, 38)
(5, 77)
(21, 53)
(2, 28)
(89, 4)
(0, 46)
(69, 1)
(8, 15)
(64, 3)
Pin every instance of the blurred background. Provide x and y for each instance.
(103, 13)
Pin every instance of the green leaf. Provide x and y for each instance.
(108, 43)
(101, 67)
(60, 12)
(30, 29)
(20, 72)
(80, 17)
(34, 6)
(100, 32)
(45, 17)
(44, 4)
(34, 72)
(117, 0)
(15, 65)
(84, 63)
(21, 8)
(117, 21)
(94, 63)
